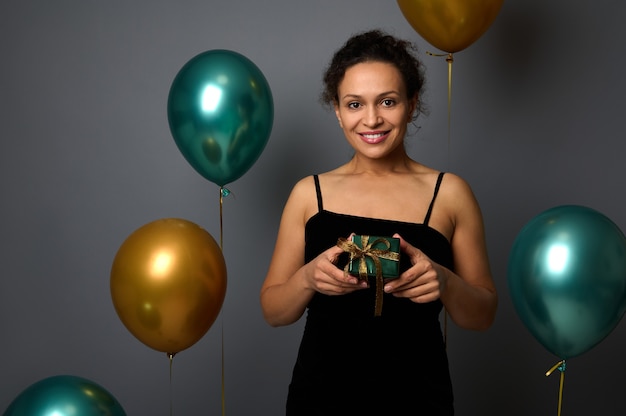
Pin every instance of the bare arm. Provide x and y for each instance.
(290, 283)
(469, 294)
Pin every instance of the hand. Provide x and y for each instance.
(423, 282)
(325, 277)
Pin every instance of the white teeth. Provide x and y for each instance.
(373, 136)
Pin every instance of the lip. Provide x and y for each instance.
(374, 137)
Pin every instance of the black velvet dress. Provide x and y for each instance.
(351, 362)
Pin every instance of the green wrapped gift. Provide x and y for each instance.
(367, 251)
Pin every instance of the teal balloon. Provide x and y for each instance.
(567, 278)
(220, 111)
(65, 395)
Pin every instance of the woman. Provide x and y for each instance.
(350, 360)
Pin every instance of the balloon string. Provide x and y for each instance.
(449, 60)
(170, 355)
(561, 367)
(221, 222)
(223, 374)
(445, 329)
(223, 192)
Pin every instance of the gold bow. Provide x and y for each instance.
(358, 253)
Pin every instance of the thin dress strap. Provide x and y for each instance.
(320, 206)
(432, 202)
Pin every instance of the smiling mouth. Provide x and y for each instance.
(374, 137)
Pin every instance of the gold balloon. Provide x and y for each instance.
(168, 284)
(450, 25)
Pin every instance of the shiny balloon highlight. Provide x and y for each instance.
(567, 278)
(220, 111)
(450, 25)
(65, 395)
(168, 284)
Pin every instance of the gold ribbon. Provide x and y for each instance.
(360, 253)
(224, 192)
(561, 367)
(449, 60)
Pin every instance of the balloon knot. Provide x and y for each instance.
(558, 366)
(225, 192)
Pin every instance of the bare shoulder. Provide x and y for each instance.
(302, 199)
(455, 185)
(303, 187)
(304, 190)
(458, 196)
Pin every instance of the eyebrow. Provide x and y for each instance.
(391, 92)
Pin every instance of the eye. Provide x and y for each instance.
(354, 105)
(387, 102)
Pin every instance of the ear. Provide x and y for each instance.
(337, 114)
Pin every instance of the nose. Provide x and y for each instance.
(372, 117)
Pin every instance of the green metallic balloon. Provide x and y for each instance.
(567, 278)
(220, 112)
(65, 395)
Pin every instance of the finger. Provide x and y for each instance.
(333, 253)
(423, 293)
(330, 269)
(406, 247)
(403, 282)
(415, 276)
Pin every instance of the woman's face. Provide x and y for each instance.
(373, 109)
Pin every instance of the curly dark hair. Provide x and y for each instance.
(378, 46)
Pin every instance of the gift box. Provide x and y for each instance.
(362, 257)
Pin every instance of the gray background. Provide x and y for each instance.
(86, 157)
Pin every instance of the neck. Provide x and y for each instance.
(399, 163)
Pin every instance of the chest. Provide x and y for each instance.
(378, 200)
